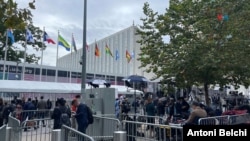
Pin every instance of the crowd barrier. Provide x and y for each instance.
(103, 128)
(14, 132)
(239, 119)
(36, 130)
(225, 120)
(3, 132)
(138, 117)
(34, 114)
(141, 131)
(216, 120)
(70, 134)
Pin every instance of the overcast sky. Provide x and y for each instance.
(104, 17)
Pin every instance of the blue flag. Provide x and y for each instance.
(117, 55)
(132, 55)
(11, 36)
(29, 36)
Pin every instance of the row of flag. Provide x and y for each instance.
(109, 52)
(62, 42)
(46, 38)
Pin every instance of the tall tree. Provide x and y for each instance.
(18, 19)
(209, 42)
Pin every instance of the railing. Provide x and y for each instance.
(138, 117)
(3, 130)
(103, 128)
(33, 114)
(141, 131)
(37, 130)
(70, 134)
(216, 120)
(225, 120)
(14, 125)
(239, 119)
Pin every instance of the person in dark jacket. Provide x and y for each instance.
(1, 112)
(183, 107)
(29, 113)
(56, 115)
(81, 116)
(150, 110)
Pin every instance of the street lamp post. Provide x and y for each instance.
(84, 51)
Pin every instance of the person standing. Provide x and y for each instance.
(58, 111)
(81, 116)
(41, 106)
(150, 110)
(73, 112)
(117, 108)
(1, 111)
(49, 104)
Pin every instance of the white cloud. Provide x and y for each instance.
(103, 19)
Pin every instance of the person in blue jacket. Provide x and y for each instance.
(81, 116)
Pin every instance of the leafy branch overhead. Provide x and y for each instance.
(208, 42)
(18, 19)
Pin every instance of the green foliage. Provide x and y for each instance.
(202, 48)
(18, 19)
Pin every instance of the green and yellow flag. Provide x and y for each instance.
(108, 51)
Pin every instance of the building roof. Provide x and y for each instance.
(50, 87)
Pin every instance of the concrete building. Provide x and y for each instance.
(106, 66)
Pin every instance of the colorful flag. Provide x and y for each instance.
(225, 17)
(29, 36)
(108, 51)
(132, 55)
(73, 44)
(63, 43)
(128, 56)
(10, 35)
(87, 47)
(117, 55)
(97, 52)
(47, 38)
(220, 17)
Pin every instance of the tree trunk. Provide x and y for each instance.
(206, 94)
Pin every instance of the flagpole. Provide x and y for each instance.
(134, 52)
(24, 58)
(71, 59)
(57, 57)
(41, 65)
(5, 54)
(95, 60)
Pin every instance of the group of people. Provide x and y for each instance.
(17, 106)
(173, 109)
(75, 116)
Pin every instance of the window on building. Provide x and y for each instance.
(29, 70)
(44, 72)
(37, 71)
(51, 72)
(90, 76)
(119, 78)
(62, 73)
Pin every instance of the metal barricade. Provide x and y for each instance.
(141, 131)
(145, 118)
(35, 114)
(3, 132)
(239, 119)
(103, 128)
(16, 133)
(36, 130)
(139, 118)
(216, 120)
(70, 134)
